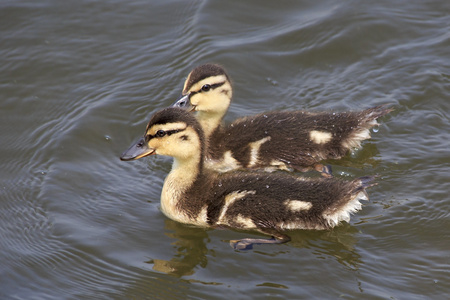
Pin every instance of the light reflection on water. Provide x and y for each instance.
(80, 81)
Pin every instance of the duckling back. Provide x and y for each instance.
(254, 200)
(289, 139)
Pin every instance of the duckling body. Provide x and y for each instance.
(266, 202)
(288, 139)
(280, 139)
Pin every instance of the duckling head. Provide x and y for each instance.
(173, 132)
(207, 91)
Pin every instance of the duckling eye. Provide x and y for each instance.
(160, 133)
(206, 87)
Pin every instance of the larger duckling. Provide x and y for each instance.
(267, 202)
(280, 139)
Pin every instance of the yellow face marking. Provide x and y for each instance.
(320, 137)
(185, 84)
(210, 105)
(216, 99)
(297, 205)
(180, 141)
(254, 150)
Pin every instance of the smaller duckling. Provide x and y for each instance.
(287, 140)
(266, 202)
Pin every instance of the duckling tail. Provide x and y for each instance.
(366, 120)
(363, 183)
(366, 182)
(371, 114)
(352, 203)
(360, 193)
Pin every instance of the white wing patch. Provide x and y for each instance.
(202, 217)
(245, 222)
(297, 205)
(320, 137)
(254, 150)
(227, 163)
(229, 200)
(277, 165)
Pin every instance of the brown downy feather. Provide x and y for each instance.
(292, 139)
(277, 201)
(267, 202)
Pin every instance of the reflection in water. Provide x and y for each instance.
(191, 247)
(366, 157)
(80, 79)
(338, 242)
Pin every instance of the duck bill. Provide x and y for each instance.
(137, 150)
(184, 102)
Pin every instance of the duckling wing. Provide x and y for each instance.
(279, 201)
(292, 139)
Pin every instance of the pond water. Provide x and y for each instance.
(80, 79)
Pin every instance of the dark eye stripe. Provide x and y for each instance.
(170, 132)
(162, 133)
(211, 87)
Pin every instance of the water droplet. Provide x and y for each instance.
(265, 116)
(43, 172)
(107, 137)
(220, 183)
(375, 129)
(272, 81)
(267, 186)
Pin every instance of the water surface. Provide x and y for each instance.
(80, 79)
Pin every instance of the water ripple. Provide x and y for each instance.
(82, 79)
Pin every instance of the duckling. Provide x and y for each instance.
(287, 140)
(252, 200)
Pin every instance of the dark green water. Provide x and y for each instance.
(79, 80)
